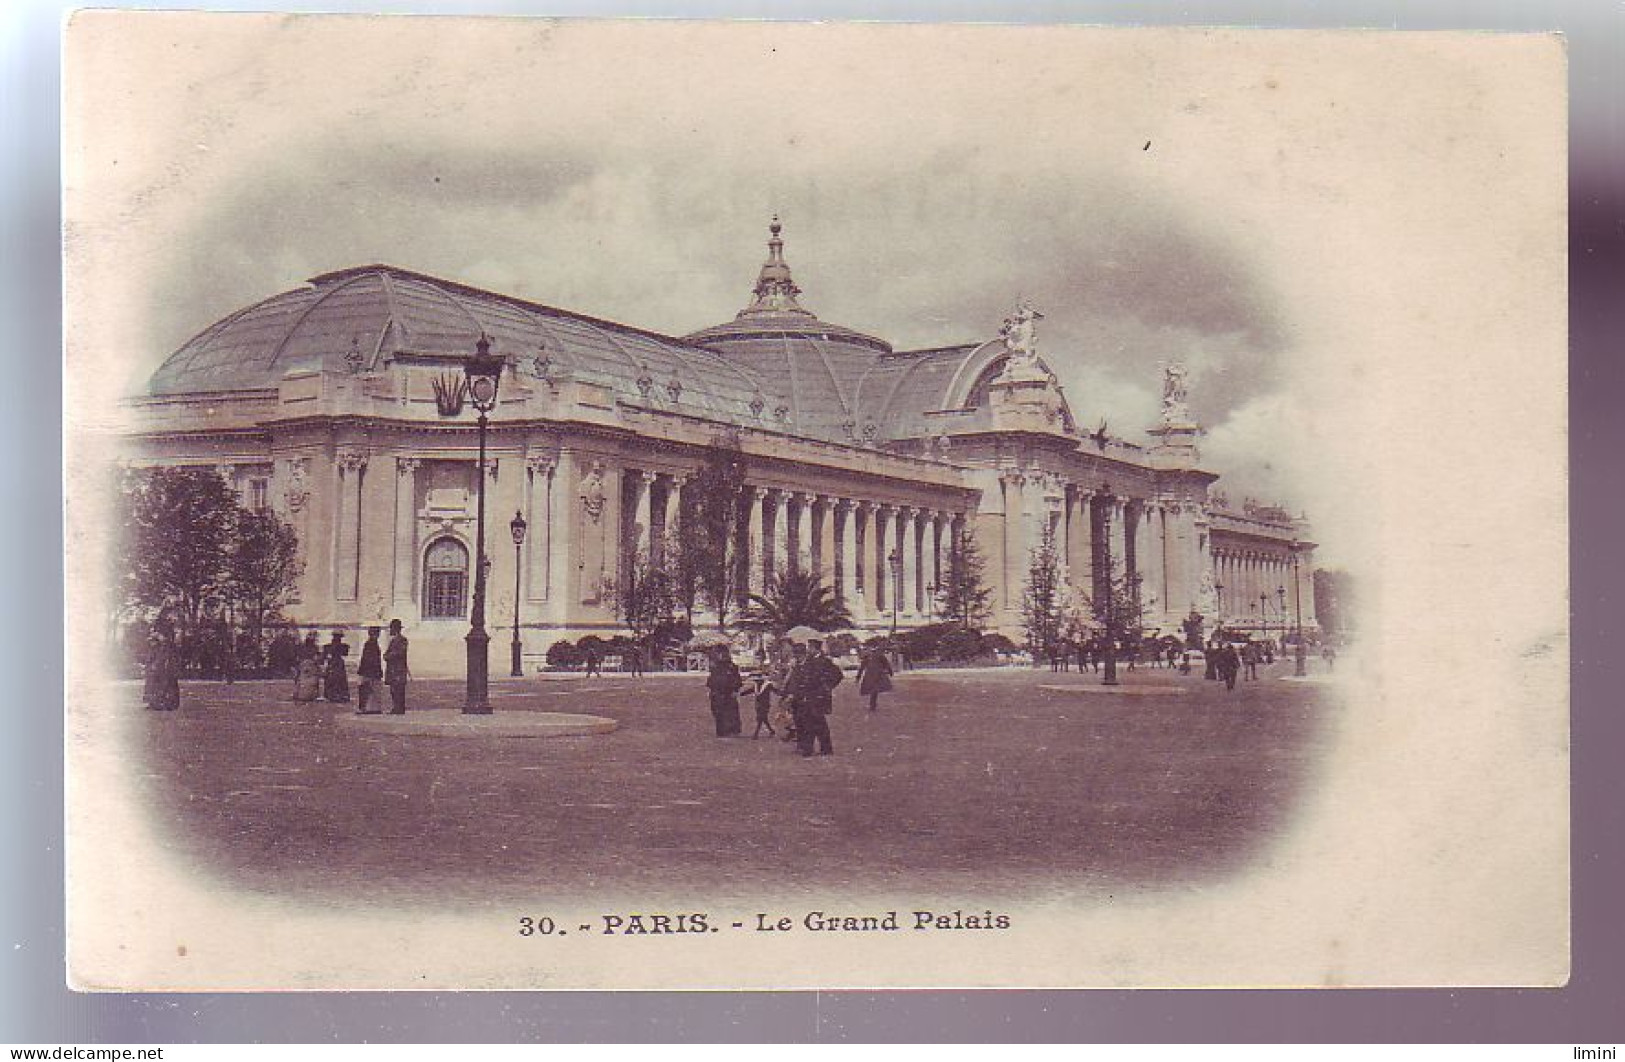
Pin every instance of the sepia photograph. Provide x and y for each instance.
(595, 504)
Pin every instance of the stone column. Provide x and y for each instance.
(938, 520)
(642, 491)
(352, 467)
(908, 549)
(539, 469)
(881, 591)
(824, 541)
(806, 547)
(838, 518)
(1119, 538)
(1014, 560)
(860, 554)
(660, 517)
(563, 537)
(403, 585)
(754, 543)
(1154, 595)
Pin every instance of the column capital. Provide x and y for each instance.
(541, 464)
(406, 466)
(352, 460)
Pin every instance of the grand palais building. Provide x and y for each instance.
(862, 460)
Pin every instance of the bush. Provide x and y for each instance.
(961, 643)
(564, 654)
(998, 643)
(842, 644)
(924, 643)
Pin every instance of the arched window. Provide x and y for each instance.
(978, 391)
(445, 580)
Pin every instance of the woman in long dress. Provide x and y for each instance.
(335, 681)
(163, 671)
(724, 683)
(307, 673)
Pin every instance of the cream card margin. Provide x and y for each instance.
(1432, 376)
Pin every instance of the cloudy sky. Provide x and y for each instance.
(1240, 202)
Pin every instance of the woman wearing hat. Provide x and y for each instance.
(724, 684)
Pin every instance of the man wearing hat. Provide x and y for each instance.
(371, 674)
(813, 679)
(395, 670)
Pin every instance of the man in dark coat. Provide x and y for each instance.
(370, 672)
(395, 670)
(813, 679)
(1227, 662)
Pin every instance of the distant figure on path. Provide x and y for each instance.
(370, 672)
(724, 682)
(396, 671)
(163, 686)
(1252, 657)
(594, 662)
(874, 676)
(1227, 663)
(307, 673)
(335, 680)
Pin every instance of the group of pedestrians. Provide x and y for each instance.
(796, 702)
(320, 672)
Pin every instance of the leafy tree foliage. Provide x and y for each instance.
(1334, 600)
(792, 599)
(645, 601)
(262, 567)
(179, 526)
(705, 556)
(191, 548)
(964, 596)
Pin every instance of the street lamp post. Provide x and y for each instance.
(517, 527)
(1108, 677)
(1297, 604)
(1280, 613)
(484, 372)
(1218, 594)
(896, 562)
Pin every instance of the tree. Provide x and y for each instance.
(1334, 601)
(795, 598)
(707, 562)
(964, 597)
(644, 599)
(1043, 611)
(262, 567)
(179, 526)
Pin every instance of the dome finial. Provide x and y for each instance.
(775, 290)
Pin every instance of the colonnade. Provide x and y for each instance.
(880, 558)
(589, 514)
(1254, 586)
(1101, 537)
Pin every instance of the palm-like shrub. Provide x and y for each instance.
(796, 598)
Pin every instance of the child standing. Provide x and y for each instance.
(762, 688)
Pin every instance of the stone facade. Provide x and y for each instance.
(328, 404)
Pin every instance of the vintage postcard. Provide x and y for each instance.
(591, 504)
